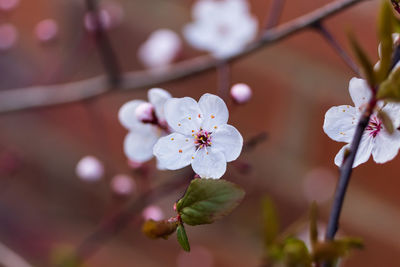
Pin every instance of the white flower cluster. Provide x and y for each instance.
(223, 28)
(198, 133)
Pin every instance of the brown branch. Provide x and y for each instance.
(40, 96)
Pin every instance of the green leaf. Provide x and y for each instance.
(182, 237)
(363, 60)
(159, 229)
(296, 253)
(207, 200)
(333, 250)
(386, 120)
(314, 223)
(270, 221)
(390, 89)
(385, 26)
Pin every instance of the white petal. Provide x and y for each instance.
(393, 110)
(363, 153)
(214, 111)
(209, 163)
(386, 146)
(200, 35)
(138, 144)
(126, 114)
(228, 140)
(174, 151)
(340, 123)
(359, 91)
(158, 97)
(183, 115)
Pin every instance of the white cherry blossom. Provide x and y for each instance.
(341, 121)
(201, 136)
(223, 28)
(144, 131)
(89, 168)
(160, 49)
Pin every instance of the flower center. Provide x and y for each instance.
(202, 139)
(374, 126)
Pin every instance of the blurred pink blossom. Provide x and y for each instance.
(123, 184)
(89, 169)
(145, 112)
(319, 185)
(153, 213)
(241, 93)
(8, 36)
(110, 15)
(8, 5)
(160, 49)
(46, 30)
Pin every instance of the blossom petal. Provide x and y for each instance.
(340, 123)
(126, 114)
(209, 163)
(157, 98)
(393, 110)
(214, 111)
(363, 153)
(174, 151)
(386, 146)
(138, 144)
(359, 91)
(183, 115)
(228, 140)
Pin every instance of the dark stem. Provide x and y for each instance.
(345, 172)
(223, 79)
(336, 46)
(103, 43)
(275, 13)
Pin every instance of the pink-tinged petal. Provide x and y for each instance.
(386, 146)
(183, 115)
(158, 97)
(363, 153)
(209, 163)
(228, 140)
(127, 115)
(340, 123)
(138, 144)
(214, 111)
(174, 151)
(90, 169)
(359, 91)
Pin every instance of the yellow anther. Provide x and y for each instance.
(179, 124)
(190, 118)
(212, 116)
(172, 139)
(180, 150)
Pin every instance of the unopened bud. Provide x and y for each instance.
(46, 30)
(122, 184)
(160, 49)
(90, 20)
(145, 112)
(241, 93)
(153, 213)
(89, 168)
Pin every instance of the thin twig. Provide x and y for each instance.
(275, 13)
(40, 96)
(336, 46)
(103, 43)
(224, 80)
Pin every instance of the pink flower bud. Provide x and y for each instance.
(115, 12)
(122, 184)
(241, 93)
(145, 112)
(153, 213)
(160, 49)
(90, 169)
(8, 5)
(8, 36)
(46, 30)
(134, 164)
(90, 20)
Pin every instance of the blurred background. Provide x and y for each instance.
(45, 207)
